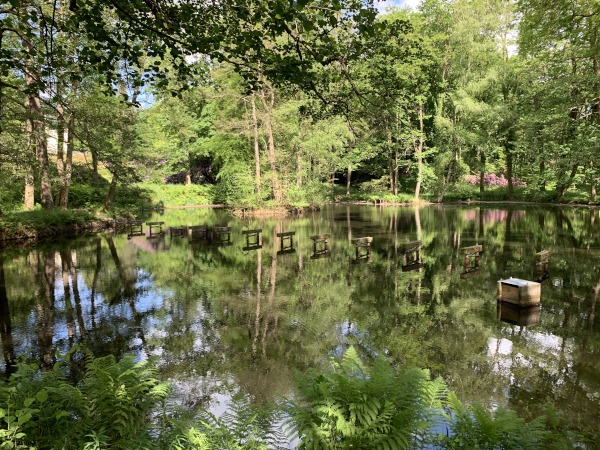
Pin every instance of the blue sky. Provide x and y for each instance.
(382, 4)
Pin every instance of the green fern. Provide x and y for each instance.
(110, 409)
(243, 426)
(472, 427)
(352, 406)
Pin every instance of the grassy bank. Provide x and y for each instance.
(86, 203)
(39, 223)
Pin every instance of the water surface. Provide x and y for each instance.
(222, 319)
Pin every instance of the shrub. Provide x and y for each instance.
(110, 409)
(178, 194)
(236, 186)
(11, 197)
(311, 193)
(491, 179)
(375, 186)
(461, 192)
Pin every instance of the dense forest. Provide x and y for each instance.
(107, 105)
(296, 103)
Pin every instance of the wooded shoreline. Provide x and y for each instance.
(79, 222)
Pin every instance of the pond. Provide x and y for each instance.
(232, 316)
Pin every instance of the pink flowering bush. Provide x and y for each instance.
(491, 179)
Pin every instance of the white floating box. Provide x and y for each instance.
(519, 292)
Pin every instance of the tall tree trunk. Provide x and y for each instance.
(509, 172)
(188, 168)
(396, 156)
(542, 175)
(510, 143)
(256, 146)
(65, 183)
(390, 146)
(482, 172)
(36, 135)
(60, 149)
(8, 349)
(299, 167)
(94, 155)
(348, 177)
(111, 192)
(419, 151)
(593, 183)
(271, 142)
(29, 194)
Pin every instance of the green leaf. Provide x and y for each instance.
(24, 418)
(42, 396)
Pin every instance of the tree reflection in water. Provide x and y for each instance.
(221, 320)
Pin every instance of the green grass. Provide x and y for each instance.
(370, 195)
(178, 194)
(41, 223)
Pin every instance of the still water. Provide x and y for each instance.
(223, 319)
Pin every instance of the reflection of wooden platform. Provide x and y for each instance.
(517, 315)
(136, 228)
(321, 254)
(287, 251)
(363, 259)
(519, 292)
(177, 231)
(199, 231)
(250, 248)
(470, 273)
(413, 266)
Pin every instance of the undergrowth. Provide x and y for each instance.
(123, 405)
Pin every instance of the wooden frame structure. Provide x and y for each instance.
(153, 225)
(472, 255)
(360, 244)
(222, 235)
(286, 242)
(320, 245)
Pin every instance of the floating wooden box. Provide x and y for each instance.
(516, 315)
(519, 292)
